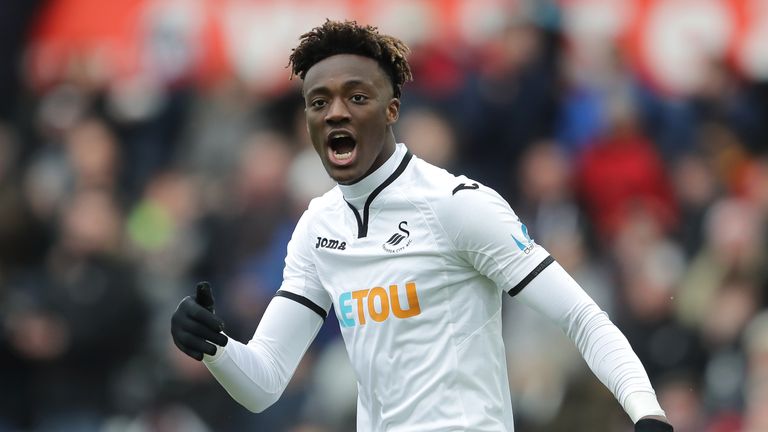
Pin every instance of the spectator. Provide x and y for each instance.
(85, 305)
(622, 172)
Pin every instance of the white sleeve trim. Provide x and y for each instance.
(556, 295)
(256, 374)
(641, 404)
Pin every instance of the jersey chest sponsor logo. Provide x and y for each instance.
(378, 304)
(399, 240)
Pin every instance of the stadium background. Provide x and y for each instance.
(148, 144)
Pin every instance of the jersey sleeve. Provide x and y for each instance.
(487, 234)
(300, 280)
(558, 297)
(256, 374)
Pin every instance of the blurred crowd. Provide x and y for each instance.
(115, 200)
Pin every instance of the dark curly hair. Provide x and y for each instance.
(348, 37)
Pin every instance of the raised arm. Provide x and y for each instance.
(256, 374)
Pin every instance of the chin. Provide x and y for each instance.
(344, 180)
(347, 177)
(338, 177)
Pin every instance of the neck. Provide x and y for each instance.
(386, 152)
(357, 192)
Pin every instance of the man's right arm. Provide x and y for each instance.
(256, 374)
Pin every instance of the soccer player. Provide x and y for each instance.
(414, 261)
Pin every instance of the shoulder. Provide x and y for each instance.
(448, 192)
(468, 201)
(319, 207)
(437, 183)
(454, 199)
(319, 210)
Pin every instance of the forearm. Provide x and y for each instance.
(256, 374)
(606, 350)
(611, 358)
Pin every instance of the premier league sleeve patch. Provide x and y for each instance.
(523, 240)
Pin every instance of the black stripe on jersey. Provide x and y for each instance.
(462, 186)
(362, 223)
(359, 221)
(535, 272)
(303, 300)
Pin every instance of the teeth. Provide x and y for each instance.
(342, 156)
(339, 135)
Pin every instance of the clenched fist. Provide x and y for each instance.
(195, 328)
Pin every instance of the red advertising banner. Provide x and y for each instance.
(172, 41)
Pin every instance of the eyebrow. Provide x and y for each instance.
(346, 85)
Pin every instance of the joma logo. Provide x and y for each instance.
(323, 242)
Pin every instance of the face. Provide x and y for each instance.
(350, 109)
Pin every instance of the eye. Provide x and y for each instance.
(318, 103)
(359, 98)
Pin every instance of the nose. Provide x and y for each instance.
(337, 112)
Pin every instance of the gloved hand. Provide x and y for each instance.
(194, 325)
(652, 425)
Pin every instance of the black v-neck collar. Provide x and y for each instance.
(362, 222)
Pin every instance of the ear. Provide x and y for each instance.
(393, 111)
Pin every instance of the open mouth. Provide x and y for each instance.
(341, 147)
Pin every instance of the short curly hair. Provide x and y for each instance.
(348, 37)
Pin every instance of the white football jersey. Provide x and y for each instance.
(415, 261)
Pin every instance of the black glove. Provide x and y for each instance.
(194, 325)
(652, 425)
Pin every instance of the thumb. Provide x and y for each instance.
(204, 296)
